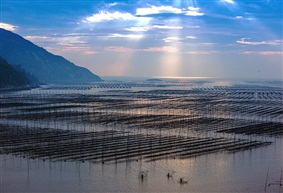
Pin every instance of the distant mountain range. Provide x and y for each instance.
(46, 67)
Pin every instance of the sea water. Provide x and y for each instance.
(249, 171)
(245, 171)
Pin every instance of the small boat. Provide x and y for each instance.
(170, 173)
(183, 181)
(279, 183)
(143, 174)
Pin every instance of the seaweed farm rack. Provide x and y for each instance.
(138, 122)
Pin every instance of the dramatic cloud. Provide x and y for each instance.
(208, 33)
(153, 10)
(272, 43)
(7, 26)
(108, 16)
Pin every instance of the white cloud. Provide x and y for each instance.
(147, 28)
(150, 49)
(191, 11)
(194, 27)
(193, 8)
(272, 42)
(191, 37)
(241, 18)
(175, 39)
(72, 42)
(172, 39)
(161, 49)
(36, 38)
(108, 16)
(228, 1)
(112, 4)
(7, 26)
(130, 36)
(264, 53)
(166, 27)
(208, 44)
(138, 29)
(157, 10)
(90, 52)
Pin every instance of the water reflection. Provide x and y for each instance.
(225, 112)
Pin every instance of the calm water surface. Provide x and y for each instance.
(244, 172)
(220, 172)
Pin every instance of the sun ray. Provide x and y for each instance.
(170, 61)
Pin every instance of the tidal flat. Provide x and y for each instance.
(126, 136)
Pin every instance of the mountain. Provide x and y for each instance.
(46, 67)
(12, 77)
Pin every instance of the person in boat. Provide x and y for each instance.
(170, 173)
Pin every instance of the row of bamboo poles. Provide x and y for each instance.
(84, 123)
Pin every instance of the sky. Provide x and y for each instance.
(165, 38)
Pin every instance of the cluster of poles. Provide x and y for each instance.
(83, 123)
